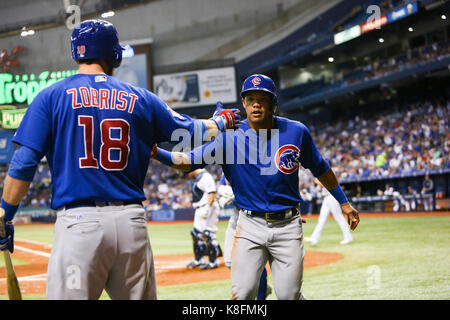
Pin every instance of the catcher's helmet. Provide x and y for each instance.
(96, 39)
(262, 83)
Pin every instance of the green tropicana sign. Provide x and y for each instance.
(24, 88)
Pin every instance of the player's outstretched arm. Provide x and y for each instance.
(330, 182)
(176, 160)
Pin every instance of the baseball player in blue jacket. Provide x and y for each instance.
(97, 134)
(260, 160)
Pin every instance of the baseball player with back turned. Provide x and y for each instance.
(97, 133)
(260, 160)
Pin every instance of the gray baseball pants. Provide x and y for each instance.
(98, 248)
(258, 241)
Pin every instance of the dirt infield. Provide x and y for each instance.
(170, 270)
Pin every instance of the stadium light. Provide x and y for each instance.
(25, 33)
(410, 29)
(330, 59)
(381, 40)
(444, 17)
(107, 14)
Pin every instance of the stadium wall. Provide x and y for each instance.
(180, 34)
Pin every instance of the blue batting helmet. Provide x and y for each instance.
(262, 83)
(96, 39)
(259, 82)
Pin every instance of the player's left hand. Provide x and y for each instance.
(7, 243)
(352, 215)
(226, 118)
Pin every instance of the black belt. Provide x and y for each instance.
(90, 203)
(274, 216)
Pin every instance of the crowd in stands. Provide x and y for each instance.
(379, 68)
(415, 57)
(165, 187)
(409, 139)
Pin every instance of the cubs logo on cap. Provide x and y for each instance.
(287, 158)
(256, 81)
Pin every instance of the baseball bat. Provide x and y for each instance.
(11, 278)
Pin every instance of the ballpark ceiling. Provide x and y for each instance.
(41, 14)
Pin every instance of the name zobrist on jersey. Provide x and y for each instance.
(106, 99)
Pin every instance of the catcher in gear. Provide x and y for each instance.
(206, 218)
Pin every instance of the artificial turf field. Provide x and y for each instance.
(391, 258)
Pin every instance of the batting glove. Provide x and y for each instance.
(226, 118)
(7, 242)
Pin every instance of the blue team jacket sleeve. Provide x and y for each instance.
(168, 120)
(36, 126)
(310, 156)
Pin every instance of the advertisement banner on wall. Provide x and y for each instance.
(6, 146)
(23, 88)
(10, 119)
(196, 88)
(374, 24)
(133, 68)
(402, 12)
(347, 35)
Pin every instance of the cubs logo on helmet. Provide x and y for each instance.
(287, 158)
(256, 81)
